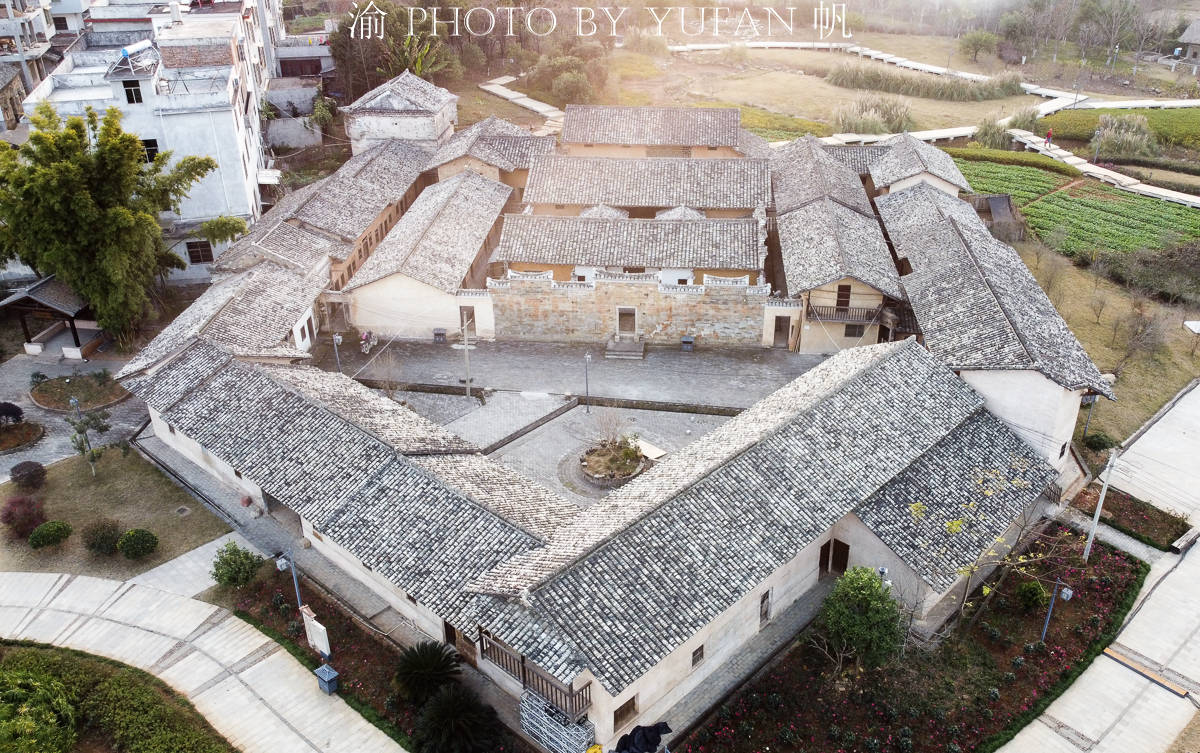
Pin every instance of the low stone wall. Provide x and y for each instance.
(583, 312)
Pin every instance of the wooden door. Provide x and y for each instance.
(824, 568)
(841, 556)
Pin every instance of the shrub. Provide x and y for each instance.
(101, 537)
(454, 720)
(654, 45)
(1179, 127)
(22, 515)
(234, 566)
(36, 378)
(572, 87)
(1124, 136)
(1099, 442)
(1032, 595)
(991, 135)
(35, 714)
(874, 113)
(294, 628)
(28, 475)
(424, 669)
(883, 78)
(861, 619)
(1018, 661)
(134, 715)
(49, 534)
(11, 413)
(1025, 119)
(452, 72)
(137, 543)
(473, 58)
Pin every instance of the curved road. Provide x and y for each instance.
(251, 690)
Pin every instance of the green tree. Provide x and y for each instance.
(975, 42)
(79, 201)
(222, 229)
(454, 720)
(860, 620)
(363, 64)
(234, 566)
(425, 668)
(35, 714)
(95, 421)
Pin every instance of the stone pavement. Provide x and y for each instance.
(730, 377)
(503, 414)
(251, 691)
(1111, 708)
(56, 443)
(190, 573)
(1159, 466)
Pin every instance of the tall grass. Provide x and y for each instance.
(874, 113)
(927, 85)
(991, 135)
(1025, 119)
(1124, 136)
(637, 40)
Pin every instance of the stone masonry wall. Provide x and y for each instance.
(534, 310)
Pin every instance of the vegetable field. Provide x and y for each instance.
(1024, 183)
(1097, 216)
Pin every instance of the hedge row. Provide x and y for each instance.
(1180, 127)
(883, 78)
(1019, 722)
(135, 711)
(1005, 157)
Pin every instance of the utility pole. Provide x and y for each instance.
(587, 389)
(1087, 549)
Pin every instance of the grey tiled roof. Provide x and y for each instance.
(857, 158)
(803, 171)
(978, 305)
(649, 182)
(1191, 35)
(604, 211)
(825, 240)
(754, 146)
(692, 244)
(51, 293)
(495, 142)
(246, 252)
(661, 126)
(908, 156)
(679, 213)
(439, 237)
(772, 483)
(406, 93)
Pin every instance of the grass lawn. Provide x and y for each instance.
(306, 24)
(1178, 127)
(128, 489)
(474, 105)
(1131, 515)
(977, 686)
(1148, 382)
(92, 391)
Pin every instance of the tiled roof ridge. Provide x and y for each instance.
(208, 377)
(570, 218)
(1008, 317)
(884, 355)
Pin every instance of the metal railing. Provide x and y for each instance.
(573, 703)
(845, 314)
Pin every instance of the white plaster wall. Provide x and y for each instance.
(673, 276)
(827, 338)
(400, 306)
(1040, 411)
(190, 449)
(929, 178)
(367, 129)
(588, 273)
(300, 331)
(867, 550)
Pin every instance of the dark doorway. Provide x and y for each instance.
(835, 557)
(626, 320)
(885, 334)
(312, 334)
(782, 325)
(451, 633)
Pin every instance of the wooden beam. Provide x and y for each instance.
(74, 332)
(25, 327)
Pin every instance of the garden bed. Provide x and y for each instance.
(95, 390)
(1133, 517)
(971, 693)
(16, 436)
(365, 662)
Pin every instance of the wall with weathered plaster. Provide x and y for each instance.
(1039, 410)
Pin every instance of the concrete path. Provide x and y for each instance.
(251, 691)
(1159, 463)
(56, 443)
(190, 573)
(1111, 707)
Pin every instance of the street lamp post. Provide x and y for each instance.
(1067, 593)
(1087, 549)
(587, 388)
(284, 560)
(337, 340)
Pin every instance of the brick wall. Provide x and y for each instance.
(534, 310)
(191, 56)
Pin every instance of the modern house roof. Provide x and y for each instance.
(978, 305)
(803, 171)
(51, 293)
(652, 126)
(649, 182)
(825, 240)
(908, 156)
(439, 237)
(495, 142)
(407, 93)
(868, 432)
(736, 244)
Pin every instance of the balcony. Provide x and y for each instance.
(844, 314)
(573, 703)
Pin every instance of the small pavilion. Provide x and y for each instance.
(49, 299)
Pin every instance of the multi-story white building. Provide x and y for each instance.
(192, 88)
(23, 39)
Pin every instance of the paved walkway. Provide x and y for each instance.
(1159, 464)
(251, 691)
(56, 443)
(190, 573)
(729, 377)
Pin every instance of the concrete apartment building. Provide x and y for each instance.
(25, 28)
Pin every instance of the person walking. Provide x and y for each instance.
(1049, 136)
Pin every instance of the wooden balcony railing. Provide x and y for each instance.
(573, 703)
(845, 314)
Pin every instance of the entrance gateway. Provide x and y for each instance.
(835, 557)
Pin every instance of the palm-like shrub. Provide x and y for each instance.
(454, 720)
(425, 668)
(35, 714)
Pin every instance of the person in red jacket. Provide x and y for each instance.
(1049, 136)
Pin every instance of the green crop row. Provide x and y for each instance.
(1098, 217)
(1006, 157)
(1024, 184)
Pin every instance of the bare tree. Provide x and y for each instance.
(609, 425)
(388, 368)
(1146, 335)
(1148, 27)
(1098, 303)
(1054, 278)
